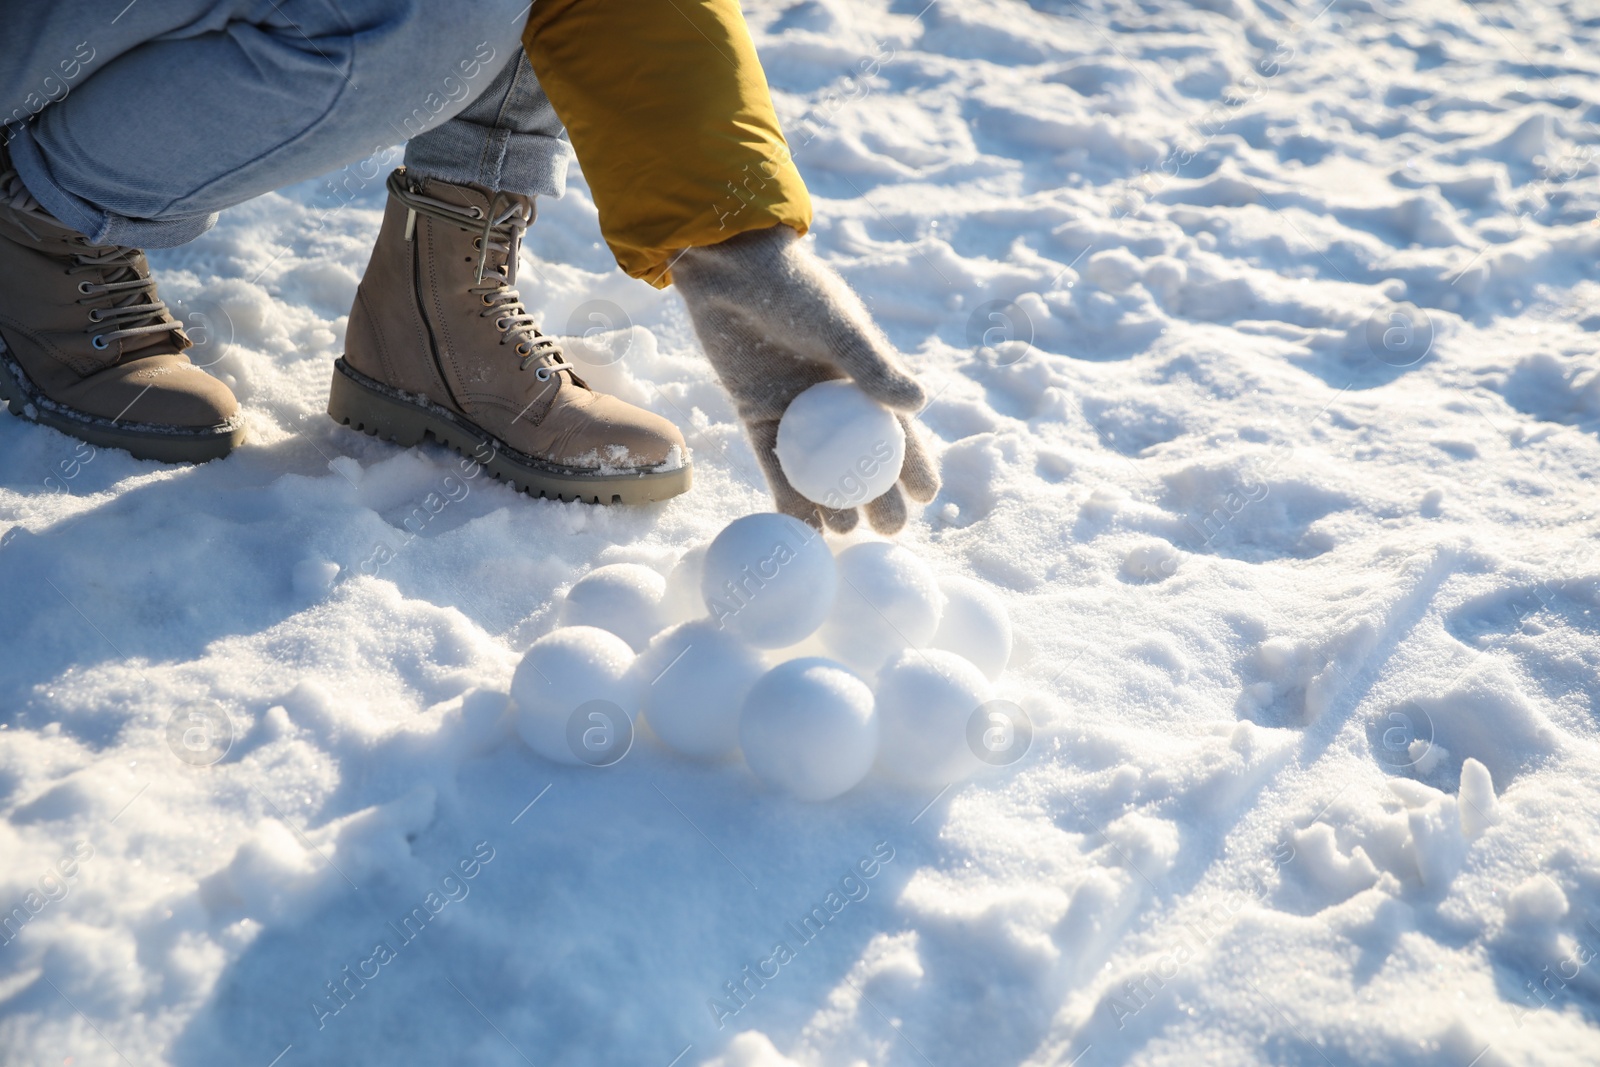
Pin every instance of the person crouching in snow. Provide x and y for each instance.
(135, 131)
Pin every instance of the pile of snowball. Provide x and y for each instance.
(816, 666)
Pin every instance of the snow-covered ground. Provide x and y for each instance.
(1261, 346)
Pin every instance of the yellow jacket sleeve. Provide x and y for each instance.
(671, 119)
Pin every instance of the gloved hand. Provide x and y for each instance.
(775, 320)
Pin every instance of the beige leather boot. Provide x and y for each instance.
(439, 343)
(86, 346)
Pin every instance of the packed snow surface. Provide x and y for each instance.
(1260, 343)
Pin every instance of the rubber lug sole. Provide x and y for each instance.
(356, 401)
(140, 440)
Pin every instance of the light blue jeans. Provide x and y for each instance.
(137, 126)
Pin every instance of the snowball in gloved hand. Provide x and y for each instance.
(838, 447)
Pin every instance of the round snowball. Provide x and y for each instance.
(974, 625)
(682, 600)
(769, 579)
(809, 729)
(888, 600)
(838, 447)
(624, 598)
(925, 699)
(565, 672)
(694, 679)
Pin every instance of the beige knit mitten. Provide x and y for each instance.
(774, 321)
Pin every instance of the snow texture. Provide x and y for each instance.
(1260, 343)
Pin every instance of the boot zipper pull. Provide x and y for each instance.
(411, 223)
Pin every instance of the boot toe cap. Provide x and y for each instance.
(165, 390)
(612, 435)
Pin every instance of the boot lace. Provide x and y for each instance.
(500, 231)
(133, 311)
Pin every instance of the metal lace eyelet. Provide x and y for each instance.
(486, 301)
(98, 342)
(524, 350)
(94, 314)
(500, 324)
(543, 374)
(84, 288)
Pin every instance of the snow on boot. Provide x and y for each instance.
(87, 348)
(439, 343)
